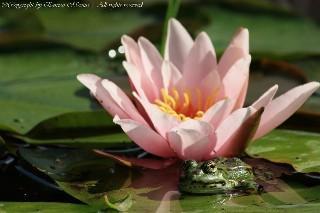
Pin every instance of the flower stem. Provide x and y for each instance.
(172, 11)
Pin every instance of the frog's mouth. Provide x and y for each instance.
(219, 187)
(202, 188)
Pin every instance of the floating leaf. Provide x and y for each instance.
(66, 164)
(90, 28)
(74, 124)
(45, 207)
(271, 34)
(310, 66)
(78, 129)
(40, 85)
(300, 149)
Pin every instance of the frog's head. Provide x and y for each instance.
(216, 176)
(190, 167)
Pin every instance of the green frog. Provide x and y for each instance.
(220, 175)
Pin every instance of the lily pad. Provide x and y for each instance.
(310, 66)
(265, 73)
(42, 84)
(74, 124)
(78, 129)
(68, 164)
(59, 26)
(271, 34)
(45, 207)
(110, 140)
(90, 28)
(300, 149)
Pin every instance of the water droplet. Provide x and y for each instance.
(121, 49)
(112, 53)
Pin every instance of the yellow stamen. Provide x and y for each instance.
(171, 101)
(175, 95)
(168, 99)
(186, 104)
(164, 93)
(162, 104)
(199, 113)
(183, 110)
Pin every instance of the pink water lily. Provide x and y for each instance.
(187, 105)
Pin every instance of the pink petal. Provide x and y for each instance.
(144, 163)
(90, 81)
(236, 78)
(210, 84)
(145, 137)
(139, 82)
(201, 60)
(283, 107)
(178, 44)
(93, 83)
(228, 128)
(238, 142)
(170, 75)
(266, 98)
(161, 121)
(122, 100)
(238, 48)
(192, 139)
(152, 61)
(201, 72)
(216, 113)
(131, 50)
(242, 95)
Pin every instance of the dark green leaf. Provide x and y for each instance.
(270, 34)
(90, 28)
(40, 85)
(300, 149)
(29, 207)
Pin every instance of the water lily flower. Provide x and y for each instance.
(187, 105)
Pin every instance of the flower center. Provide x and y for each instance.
(184, 105)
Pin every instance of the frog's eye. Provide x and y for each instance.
(209, 167)
(190, 164)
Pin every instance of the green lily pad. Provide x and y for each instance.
(78, 129)
(300, 149)
(39, 85)
(266, 73)
(271, 34)
(110, 140)
(74, 124)
(29, 207)
(310, 66)
(90, 28)
(64, 164)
